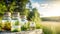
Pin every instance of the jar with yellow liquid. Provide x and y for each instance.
(6, 21)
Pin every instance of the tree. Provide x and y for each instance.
(21, 5)
(11, 5)
(36, 18)
(2, 8)
(36, 15)
(7, 4)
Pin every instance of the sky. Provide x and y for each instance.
(47, 8)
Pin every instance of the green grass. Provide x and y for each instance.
(47, 30)
(51, 27)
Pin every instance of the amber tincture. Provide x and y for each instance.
(6, 22)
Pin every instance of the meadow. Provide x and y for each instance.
(50, 27)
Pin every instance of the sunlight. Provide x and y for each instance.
(53, 10)
(47, 10)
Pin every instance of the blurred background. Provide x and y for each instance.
(46, 13)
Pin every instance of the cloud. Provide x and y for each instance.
(53, 10)
(36, 5)
(44, 5)
(39, 5)
(48, 9)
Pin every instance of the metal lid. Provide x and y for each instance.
(7, 14)
(23, 17)
(15, 14)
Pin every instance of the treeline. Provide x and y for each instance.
(57, 19)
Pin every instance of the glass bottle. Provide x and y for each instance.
(32, 25)
(24, 23)
(6, 21)
(15, 22)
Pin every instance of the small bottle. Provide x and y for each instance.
(15, 22)
(6, 21)
(32, 25)
(24, 23)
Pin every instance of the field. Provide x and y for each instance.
(50, 27)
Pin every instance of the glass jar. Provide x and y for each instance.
(6, 22)
(15, 22)
(24, 23)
